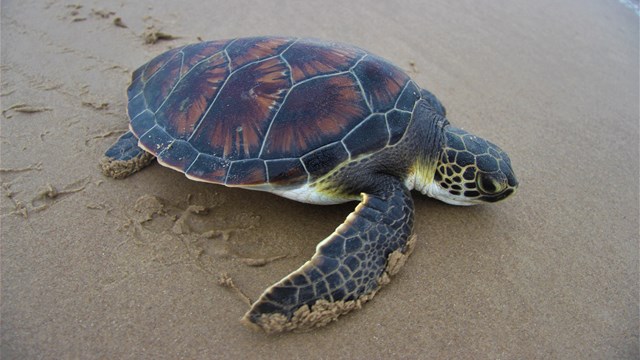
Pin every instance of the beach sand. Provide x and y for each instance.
(99, 268)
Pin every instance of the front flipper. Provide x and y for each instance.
(348, 268)
(124, 157)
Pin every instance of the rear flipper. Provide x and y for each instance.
(124, 157)
(348, 268)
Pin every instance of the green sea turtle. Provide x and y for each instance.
(317, 122)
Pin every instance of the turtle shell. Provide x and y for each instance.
(260, 110)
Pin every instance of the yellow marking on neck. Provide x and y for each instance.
(421, 175)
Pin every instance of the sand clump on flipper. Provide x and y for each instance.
(121, 169)
(323, 312)
(120, 162)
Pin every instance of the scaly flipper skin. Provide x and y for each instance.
(348, 267)
(125, 157)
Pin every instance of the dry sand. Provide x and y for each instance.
(98, 268)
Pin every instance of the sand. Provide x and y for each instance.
(99, 268)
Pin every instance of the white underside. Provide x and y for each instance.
(308, 194)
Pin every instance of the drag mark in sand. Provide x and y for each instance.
(96, 105)
(37, 167)
(225, 280)
(23, 108)
(188, 232)
(47, 195)
(44, 198)
(18, 206)
(152, 35)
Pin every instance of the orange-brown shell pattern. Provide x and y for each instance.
(262, 110)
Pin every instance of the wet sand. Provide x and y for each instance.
(98, 268)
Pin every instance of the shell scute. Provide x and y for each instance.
(247, 172)
(135, 89)
(155, 139)
(237, 122)
(312, 58)
(286, 171)
(179, 155)
(372, 133)
(325, 159)
(145, 72)
(244, 51)
(382, 82)
(143, 122)
(192, 96)
(195, 53)
(408, 97)
(159, 86)
(315, 113)
(137, 104)
(208, 168)
(397, 122)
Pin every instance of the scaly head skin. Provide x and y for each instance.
(469, 170)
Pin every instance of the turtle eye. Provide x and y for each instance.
(490, 184)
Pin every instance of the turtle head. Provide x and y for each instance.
(469, 170)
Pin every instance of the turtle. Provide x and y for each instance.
(318, 122)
